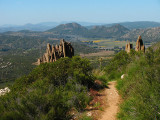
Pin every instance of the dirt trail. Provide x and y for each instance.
(113, 100)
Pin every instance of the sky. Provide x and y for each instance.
(19, 12)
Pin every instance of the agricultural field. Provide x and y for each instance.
(107, 43)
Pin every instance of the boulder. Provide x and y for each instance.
(122, 76)
(4, 91)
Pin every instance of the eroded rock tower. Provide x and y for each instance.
(128, 47)
(139, 45)
(53, 53)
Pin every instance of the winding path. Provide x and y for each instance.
(113, 100)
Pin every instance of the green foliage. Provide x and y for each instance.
(117, 65)
(85, 117)
(100, 75)
(49, 91)
(141, 87)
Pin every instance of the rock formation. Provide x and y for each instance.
(128, 47)
(139, 45)
(53, 53)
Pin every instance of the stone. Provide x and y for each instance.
(53, 53)
(128, 47)
(4, 91)
(122, 76)
(139, 45)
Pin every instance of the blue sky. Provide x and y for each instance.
(99, 11)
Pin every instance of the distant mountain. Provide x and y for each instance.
(133, 25)
(49, 25)
(137, 25)
(107, 32)
(117, 31)
(97, 31)
(69, 28)
(40, 26)
(32, 27)
(149, 35)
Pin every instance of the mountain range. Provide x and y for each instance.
(49, 25)
(116, 31)
(137, 25)
(40, 26)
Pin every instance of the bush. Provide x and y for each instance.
(100, 75)
(117, 65)
(49, 91)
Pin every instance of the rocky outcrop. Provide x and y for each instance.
(4, 91)
(128, 47)
(53, 53)
(139, 45)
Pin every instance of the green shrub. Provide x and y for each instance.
(117, 65)
(100, 75)
(49, 91)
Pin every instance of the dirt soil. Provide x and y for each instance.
(112, 100)
(105, 103)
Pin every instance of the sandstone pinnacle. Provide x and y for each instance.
(53, 53)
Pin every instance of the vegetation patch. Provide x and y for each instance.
(50, 91)
(140, 86)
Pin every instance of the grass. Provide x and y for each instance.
(97, 104)
(140, 88)
(101, 109)
(6, 84)
(85, 117)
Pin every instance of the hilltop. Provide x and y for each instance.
(97, 31)
(70, 28)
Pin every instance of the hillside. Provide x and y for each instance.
(50, 93)
(149, 35)
(64, 87)
(95, 32)
(23, 45)
(140, 85)
(107, 32)
(16, 59)
(70, 28)
(116, 31)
